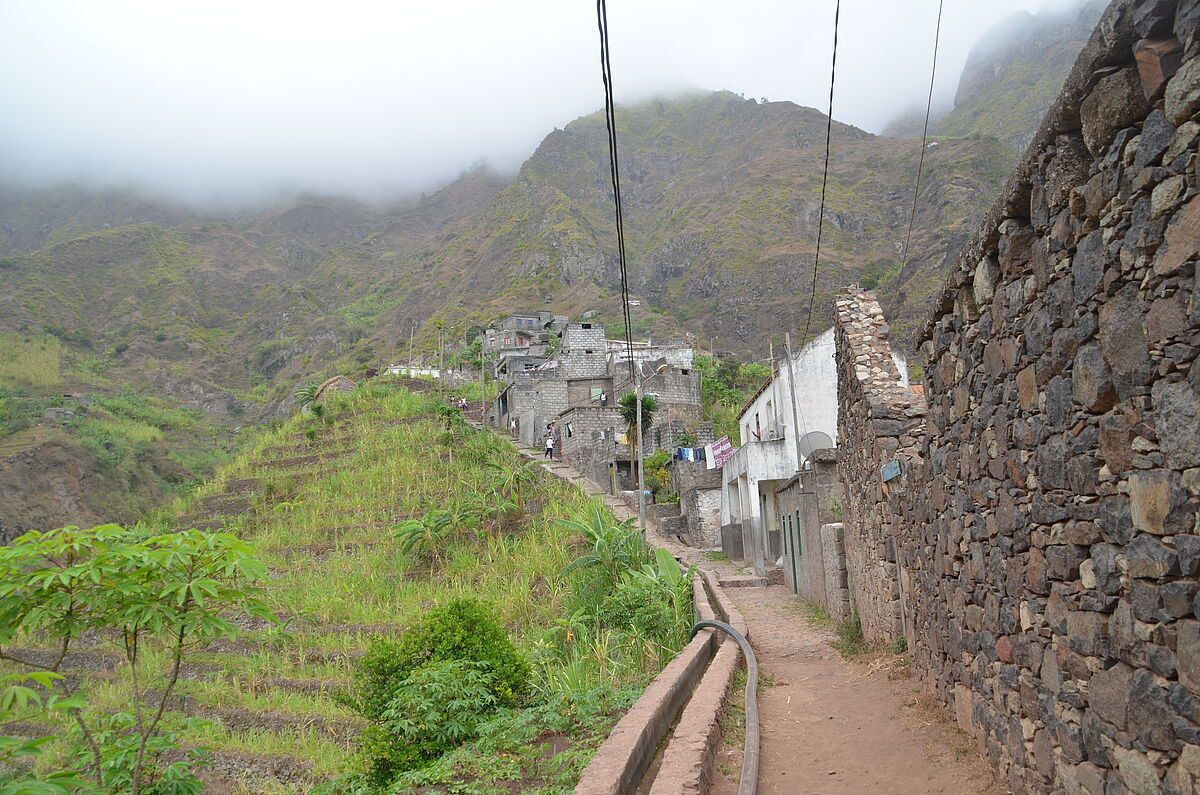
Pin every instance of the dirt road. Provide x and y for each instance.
(831, 726)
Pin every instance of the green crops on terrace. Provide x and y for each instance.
(319, 499)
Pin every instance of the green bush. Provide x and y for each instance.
(638, 605)
(405, 671)
(435, 709)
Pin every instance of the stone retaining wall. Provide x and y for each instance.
(1048, 545)
(879, 421)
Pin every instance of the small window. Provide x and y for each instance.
(585, 325)
(589, 351)
(685, 372)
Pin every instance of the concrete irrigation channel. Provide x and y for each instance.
(665, 744)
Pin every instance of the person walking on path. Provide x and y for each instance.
(550, 446)
(512, 428)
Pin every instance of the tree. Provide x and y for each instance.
(146, 592)
(629, 412)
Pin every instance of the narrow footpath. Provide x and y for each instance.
(828, 725)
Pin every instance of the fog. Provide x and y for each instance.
(236, 101)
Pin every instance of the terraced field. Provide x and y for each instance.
(318, 499)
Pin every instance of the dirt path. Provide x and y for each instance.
(830, 726)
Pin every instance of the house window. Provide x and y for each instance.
(585, 325)
(685, 372)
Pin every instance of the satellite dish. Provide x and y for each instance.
(814, 440)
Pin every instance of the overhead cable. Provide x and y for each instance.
(924, 138)
(812, 297)
(610, 121)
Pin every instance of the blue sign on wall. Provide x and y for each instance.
(890, 471)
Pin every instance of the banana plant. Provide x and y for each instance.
(616, 549)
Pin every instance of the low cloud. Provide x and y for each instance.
(237, 101)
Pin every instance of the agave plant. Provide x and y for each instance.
(428, 535)
(306, 394)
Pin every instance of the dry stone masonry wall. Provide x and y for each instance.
(1048, 547)
(879, 421)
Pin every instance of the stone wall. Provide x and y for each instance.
(588, 437)
(879, 421)
(1048, 549)
(699, 491)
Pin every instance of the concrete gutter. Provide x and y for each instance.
(700, 676)
(687, 761)
(686, 765)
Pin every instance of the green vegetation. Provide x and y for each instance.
(725, 386)
(153, 596)
(428, 691)
(520, 650)
(658, 478)
(497, 657)
(30, 362)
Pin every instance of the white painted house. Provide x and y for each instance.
(778, 434)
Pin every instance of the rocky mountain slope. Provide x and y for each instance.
(1015, 71)
(223, 314)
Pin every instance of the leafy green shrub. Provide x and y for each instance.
(118, 737)
(395, 673)
(637, 604)
(438, 707)
(658, 479)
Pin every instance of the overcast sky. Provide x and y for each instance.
(239, 98)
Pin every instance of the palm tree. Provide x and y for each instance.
(629, 411)
(306, 394)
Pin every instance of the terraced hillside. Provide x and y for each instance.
(318, 500)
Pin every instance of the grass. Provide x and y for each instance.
(30, 362)
(338, 579)
(850, 642)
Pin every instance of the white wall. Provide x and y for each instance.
(816, 395)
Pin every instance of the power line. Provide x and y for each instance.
(924, 137)
(610, 121)
(812, 297)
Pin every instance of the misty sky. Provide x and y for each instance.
(236, 100)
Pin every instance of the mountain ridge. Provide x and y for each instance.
(225, 312)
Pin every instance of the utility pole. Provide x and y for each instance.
(412, 330)
(482, 389)
(637, 393)
(787, 341)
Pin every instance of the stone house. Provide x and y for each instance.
(580, 385)
(772, 451)
(808, 511)
(699, 491)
